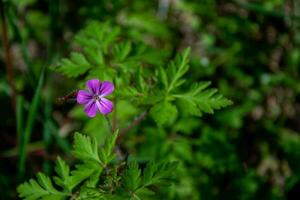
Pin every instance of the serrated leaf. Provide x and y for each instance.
(131, 178)
(85, 148)
(163, 77)
(106, 153)
(163, 113)
(83, 172)
(177, 69)
(121, 50)
(74, 66)
(199, 99)
(43, 189)
(142, 83)
(63, 172)
(90, 194)
(158, 173)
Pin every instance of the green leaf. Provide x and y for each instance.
(74, 66)
(199, 99)
(100, 34)
(177, 69)
(142, 85)
(90, 194)
(131, 178)
(85, 148)
(30, 122)
(63, 171)
(121, 51)
(106, 153)
(83, 172)
(158, 173)
(163, 77)
(42, 188)
(163, 113)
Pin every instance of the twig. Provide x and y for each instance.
(8, 57)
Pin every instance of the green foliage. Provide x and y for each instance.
(24, 139)
(99, 43)
(85, 148)
(87, 175)
(200, 100)
(94, 41)
(74, 66)
(164, 113)
(40, 189)
(161, 57)
(195, 101)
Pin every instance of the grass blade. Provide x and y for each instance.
(19, 118)
(30, 123)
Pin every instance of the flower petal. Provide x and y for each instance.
(91, 109)
(83, 97)
(105, 106)
(106, 88)
(94, 86)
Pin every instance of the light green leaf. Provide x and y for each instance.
(63, 171)
(163, 113)
(85, 148)
(41, 189)
(83, 172)
(106, 153)
(158, 173)
(199, 99)
(177, 69)
(74, 66)
(121, 51)
(131, 178)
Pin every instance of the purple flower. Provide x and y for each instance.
(93, 98)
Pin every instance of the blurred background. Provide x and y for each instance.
(248, 49)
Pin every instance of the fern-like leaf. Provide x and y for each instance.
(85, 148)
(200, 100)
(177, 69)
(63, 171)
(74, 66)
(41, 189)
(106, 153)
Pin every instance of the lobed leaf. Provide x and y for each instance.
(200, 100)
(85, 148)
(41, 189)
(164, 113)
(74, 66)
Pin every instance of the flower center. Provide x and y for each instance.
(96, 97)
